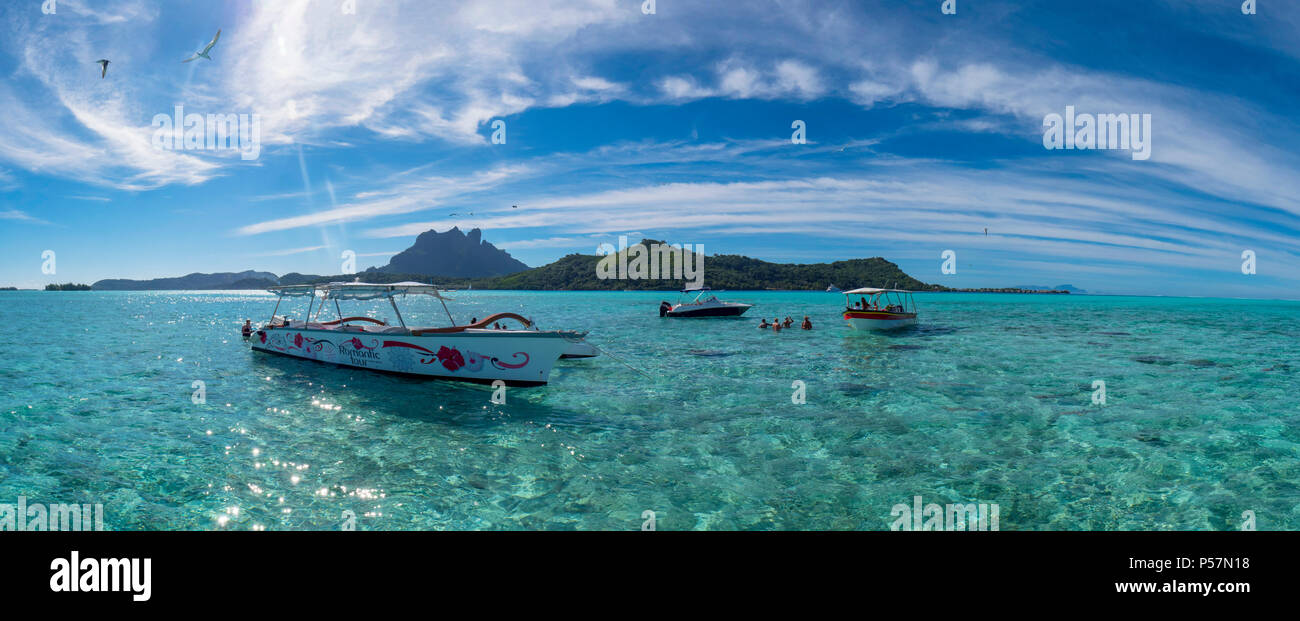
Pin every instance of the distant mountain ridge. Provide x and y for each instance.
(453, 253)
(222, 280)
(453, 250)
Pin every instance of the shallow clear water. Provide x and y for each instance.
(988, 400)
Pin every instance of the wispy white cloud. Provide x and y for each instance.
(1029, 213)
(289, 251)
(309, 70)
(22, 216)
(68, 121)
(405, 195)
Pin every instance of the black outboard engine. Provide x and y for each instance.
(664, 307)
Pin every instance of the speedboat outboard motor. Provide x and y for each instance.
(664, 307)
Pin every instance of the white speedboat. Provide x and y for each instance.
(471, 353)
(879, 309)
(703, 307)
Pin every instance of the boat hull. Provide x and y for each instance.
(878, 320)
(716, 311)
(517, 358)
(581, 349)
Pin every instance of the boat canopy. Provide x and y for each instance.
(359, 290)
(368, 291)
(293, 291)
(873, 291)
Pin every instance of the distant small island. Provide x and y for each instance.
(1004, 290)
(67, 287)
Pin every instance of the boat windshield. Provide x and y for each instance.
(700, 293)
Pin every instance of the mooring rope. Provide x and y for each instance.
(616, 358)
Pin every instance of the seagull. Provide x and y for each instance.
(204, 53)
(514, 206)
(103, 63)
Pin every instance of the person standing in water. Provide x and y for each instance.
(806, 325)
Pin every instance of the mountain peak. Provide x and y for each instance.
(453, 253)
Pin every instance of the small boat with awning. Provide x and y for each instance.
(879, 309)
(482, 352)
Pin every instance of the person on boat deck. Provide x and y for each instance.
(765, 324)
(806, 325)
(247, 330)
(864, 304)
(496, 326)
(473, 321)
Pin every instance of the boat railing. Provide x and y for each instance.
(482, 323)
(347, 319)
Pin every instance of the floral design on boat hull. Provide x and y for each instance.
(450, 358)
(454, 360)
(357, 344)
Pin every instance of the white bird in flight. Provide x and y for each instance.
(103, 63)
(204, 53)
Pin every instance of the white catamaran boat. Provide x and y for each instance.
(870, 314)
(710, 307)
(471, 353)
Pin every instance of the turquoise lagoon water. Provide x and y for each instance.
(988, 401)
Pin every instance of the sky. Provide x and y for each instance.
(922, 132)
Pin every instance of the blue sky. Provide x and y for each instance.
(923, 130)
